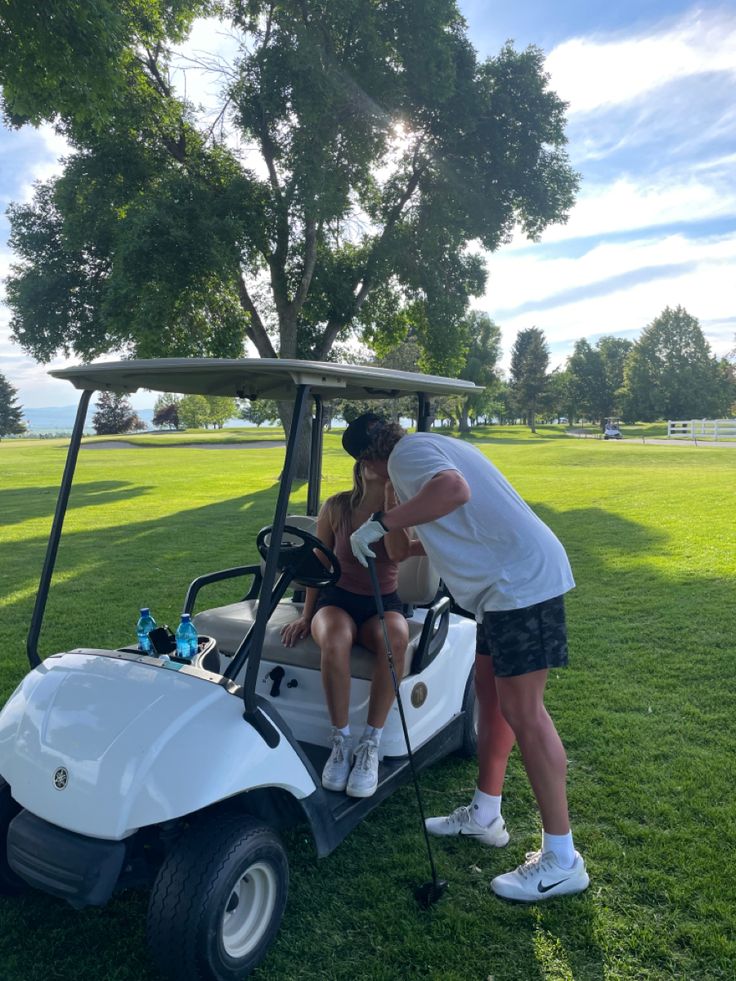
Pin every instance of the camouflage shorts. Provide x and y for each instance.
(521, 641)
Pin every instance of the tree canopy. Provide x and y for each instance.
(671, 372)
(594, 376)
(379, 148)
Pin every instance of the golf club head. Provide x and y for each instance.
(429, 892)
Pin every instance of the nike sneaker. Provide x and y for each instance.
(462, 824)
(541, 877)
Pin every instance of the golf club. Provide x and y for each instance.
(428, 892)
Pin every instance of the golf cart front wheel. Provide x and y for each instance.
(217, 902)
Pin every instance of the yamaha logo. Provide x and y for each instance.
(61, 778)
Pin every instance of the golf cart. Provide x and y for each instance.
(611, 429)
(111, 772)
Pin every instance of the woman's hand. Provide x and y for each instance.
(295, 631)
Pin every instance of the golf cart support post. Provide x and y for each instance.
(243, 378)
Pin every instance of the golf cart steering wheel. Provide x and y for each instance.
(297, 554)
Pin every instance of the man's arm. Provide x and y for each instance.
(445, 492)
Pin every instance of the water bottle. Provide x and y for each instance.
(145, 625)
(186, 637)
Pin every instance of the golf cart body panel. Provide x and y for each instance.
(137, 743)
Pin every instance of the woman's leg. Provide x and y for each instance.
(370, 635)
(495, 736)
(335, 632)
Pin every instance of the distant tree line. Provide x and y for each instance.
(670, 372)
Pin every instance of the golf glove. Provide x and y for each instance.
(362, 538)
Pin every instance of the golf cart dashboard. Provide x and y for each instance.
(164, 663)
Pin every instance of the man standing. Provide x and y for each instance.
(502, 563)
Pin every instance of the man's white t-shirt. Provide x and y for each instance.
(493, 552)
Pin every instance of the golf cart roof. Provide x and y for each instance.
(254, 378)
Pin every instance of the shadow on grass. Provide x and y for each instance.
(19, 504)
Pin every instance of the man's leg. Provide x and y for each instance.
(495, 736)
(521, 701)
(481, 819)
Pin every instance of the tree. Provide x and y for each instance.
(220, 409)
(259, 411)
(384, 147)
(11, 414)
(671, 373)
(194, 412)
(587, 382)
(529, 361)
(166, 411)
(480, 363)
(115, 415)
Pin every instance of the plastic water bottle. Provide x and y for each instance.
(186, 637)
(145, 625)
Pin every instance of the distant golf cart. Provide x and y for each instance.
(611, 429)
(122, 769)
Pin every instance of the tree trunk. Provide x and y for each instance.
(286, 410)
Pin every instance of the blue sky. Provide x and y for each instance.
(651, 87)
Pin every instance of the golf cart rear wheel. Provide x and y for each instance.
(469, 747)
(218, 899)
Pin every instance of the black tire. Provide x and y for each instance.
(10, 883)
(223, 864)
(469, 748)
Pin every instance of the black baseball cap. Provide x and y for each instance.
(357, 437)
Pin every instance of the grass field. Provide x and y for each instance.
(646, 711)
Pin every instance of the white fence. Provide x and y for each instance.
(711, 429)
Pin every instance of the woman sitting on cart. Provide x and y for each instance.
(341, 615)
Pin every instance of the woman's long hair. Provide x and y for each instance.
(342, 505)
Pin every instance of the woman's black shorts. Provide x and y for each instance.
(360, 608)
(521, 641)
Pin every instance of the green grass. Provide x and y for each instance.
(646, 711)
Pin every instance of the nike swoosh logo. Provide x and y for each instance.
(542, 888)
(471, 834)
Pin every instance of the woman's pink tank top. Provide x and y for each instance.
(355, 577)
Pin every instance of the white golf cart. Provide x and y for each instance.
(108, 777)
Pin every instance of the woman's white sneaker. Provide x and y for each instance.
(337, 768)
(462, 824)
(541, 877)
(364, 775)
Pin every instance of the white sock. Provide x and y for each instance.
(485, 807)
(561, 847)
(345, 732)
(371, 732)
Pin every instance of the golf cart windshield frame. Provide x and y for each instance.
(308, 376)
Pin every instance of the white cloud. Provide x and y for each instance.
(590, 72)
(696, 274)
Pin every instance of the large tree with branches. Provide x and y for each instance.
(359, 148)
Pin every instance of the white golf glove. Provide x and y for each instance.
(362, 538)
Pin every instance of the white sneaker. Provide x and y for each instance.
(462, 823)
(541, 877)
(364, 775)
(337, 768)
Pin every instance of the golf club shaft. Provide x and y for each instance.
(389, 654)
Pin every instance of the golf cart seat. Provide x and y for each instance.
(418, 585)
